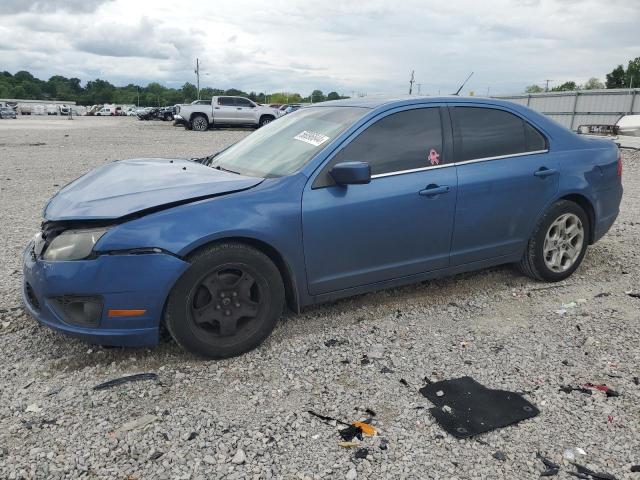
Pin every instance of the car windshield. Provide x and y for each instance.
(285, 145)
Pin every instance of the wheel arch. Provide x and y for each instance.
(288, 277)
(587, 206)
(266, 115)
(195, 114)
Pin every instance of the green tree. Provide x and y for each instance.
(633, 72)
(616, 79)
(317, 96)
(333, 96)
(565, 87)
(533, 89)
(593, 84)
(190, 92)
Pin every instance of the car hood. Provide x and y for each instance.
(126, 187)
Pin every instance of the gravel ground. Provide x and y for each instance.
(247, 417)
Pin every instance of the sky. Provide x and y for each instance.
(352, 47)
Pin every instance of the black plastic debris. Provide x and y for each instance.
(370, 412)
(569, 389)
(636, 380)
(552, 468)
(590, 474)
(500, 456)
(192, 436)
(634, 468)
(156, 455)
(386, 370)
(350, 433)
(326, 418)
(384, 444)
(332, 342)
(466, 407)
(130, 378)
(603, 294)
(404, 382)
(365, 360)
(550, 472)
(362, 453)
(634, 294)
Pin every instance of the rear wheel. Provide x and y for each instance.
(226, 303)
(199, 123)
(558, 244)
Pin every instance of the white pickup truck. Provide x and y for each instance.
(201, 114)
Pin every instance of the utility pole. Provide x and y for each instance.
(419, 85)
(138, 89)
(546, 88)
(197, 72)
(411, 82)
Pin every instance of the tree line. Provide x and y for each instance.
(23, 85)
(618, 78)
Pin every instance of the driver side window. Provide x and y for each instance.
(407, 140)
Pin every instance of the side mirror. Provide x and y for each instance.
(351, 173)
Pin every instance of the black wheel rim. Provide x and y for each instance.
(228, 302)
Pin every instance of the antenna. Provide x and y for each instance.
(463, 84)
(411, 82)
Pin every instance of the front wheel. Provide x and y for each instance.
(558, 243)
(265, 119)
(226, 303)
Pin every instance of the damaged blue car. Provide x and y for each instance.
(333, 200)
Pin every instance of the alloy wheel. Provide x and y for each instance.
(563, 242)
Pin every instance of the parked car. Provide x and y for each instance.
(224, 111)
(106, 112)
(292, 108)
(333, 200)
(6, 112)
(52, 109)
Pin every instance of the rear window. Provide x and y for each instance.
(488, 132)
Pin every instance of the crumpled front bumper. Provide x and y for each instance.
(123, 281)
(179, 120)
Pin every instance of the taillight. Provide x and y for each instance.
(619, 163)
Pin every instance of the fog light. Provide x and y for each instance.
(76, 310)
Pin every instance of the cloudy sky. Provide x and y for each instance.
(349, 46)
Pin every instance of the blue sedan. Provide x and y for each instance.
(333, 200)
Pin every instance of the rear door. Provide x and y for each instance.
(398, 225)
(506, 177)
(245, 111)
(225, 111)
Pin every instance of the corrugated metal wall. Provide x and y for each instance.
(584, 107)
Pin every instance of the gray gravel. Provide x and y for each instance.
(246, 417)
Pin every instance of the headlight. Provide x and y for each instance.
(73, 244)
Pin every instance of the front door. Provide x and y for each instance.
(506, 177)
(245, 111)
(398, 225)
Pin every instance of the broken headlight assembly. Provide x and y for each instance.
(73, 244)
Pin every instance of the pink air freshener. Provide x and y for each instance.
(434, 157)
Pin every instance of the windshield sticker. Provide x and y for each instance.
(434, 157)
(313, 138)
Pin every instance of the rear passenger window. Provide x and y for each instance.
(400, 141)
(226, 101)
(487, 132)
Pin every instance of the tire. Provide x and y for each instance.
(226, 303)
(265, 119)
(558, 243)
(199, 123)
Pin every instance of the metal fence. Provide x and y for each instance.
(584, 107)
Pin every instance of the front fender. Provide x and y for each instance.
(269, 213)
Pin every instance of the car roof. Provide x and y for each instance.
(374, 101)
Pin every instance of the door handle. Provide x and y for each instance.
(433, 190)
(544, 172)
(239, 108)
(217, 108)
